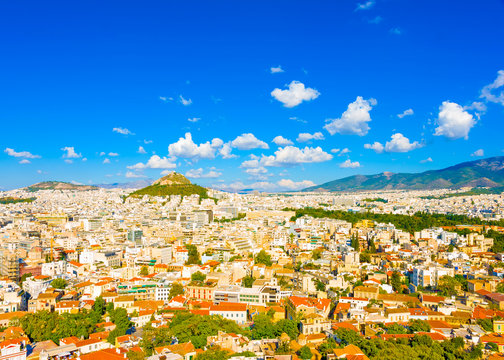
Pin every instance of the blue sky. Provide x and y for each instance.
(102, 92)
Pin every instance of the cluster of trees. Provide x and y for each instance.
(239, 217)
(193, 255)
(175, 189)
(415, 222)
(263, 258)
(413, 327)
(45, 325)
(265, 328)
(121, 320)
(12, 200)
(449, 286)
(419, 347)
(59, 283)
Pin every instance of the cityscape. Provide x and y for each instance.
(282, 180)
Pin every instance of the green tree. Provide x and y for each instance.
(418, 325)
(59, 283)
(289, 327)
(214, 353)
(319, 285)
(248, 281)
(500, 287)
(354, 242)
(263, 327)
(198, 276)
(396, 329)
(24, 277)
(448, 286)
(263, 258)
(305, 353)
(317, 253)
(395, 281)
(135, 355)
(193, 255)
(144, 271)
(176, 289)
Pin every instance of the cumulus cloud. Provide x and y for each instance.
(281, 141)
(407, 112)
(185, 102)
(291, 155)
(334, 151)
(155, 162)
(453, 122)
(141, 150)
(479, 152)
(295, 95)
(194, 119)
(398, 143)
(365, 5)
(428, 160)
(260, 173)
(349, 164)
(248, 142)
(22, 154)
(276, 70)
(344, 151)
(294, 185)
(70, 153)
(354, 120)
(199, 174)
(122, 131)
(304, 137)
(25, 161)
(113, 154)
(186, 148)
(376, 146)
(106, 161)
(225, 151)
(489, 93)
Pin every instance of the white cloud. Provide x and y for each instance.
(155, 162)
(84, 159)
(186, 148)
(147, 142)
(349, 164)
(165, 99)
(281, 141)
(304, 137)
(354, 120)
(428, 160)
(194, 119)
(185, 102)
(69, 161)
(405, 113)
(453, 122)
(295, 185)
(295, 118)
(199, 174)
(295, 95)
(396, 31)
(260, 173)
(334, 151)
(102, 153)
(141, 150)
(479, 152)
(70, 153)
(291, 155)
(252, 163)
(248, 142)
(106, 161)
(132, 175)
(376, 146)
(478, 107)
(225, 151)
(122, 131)
(23, 154)
(276, 70)
(487, 91)
(344, 151)
(25, 161)
(365, 5)
(113, 154)
(400, 143)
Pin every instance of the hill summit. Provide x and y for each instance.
(173, 178)
(59, 185)
(478, 173)
(172, 184)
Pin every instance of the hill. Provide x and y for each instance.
(172, 184)
(59, 185)
(127, 185)
(478, 173)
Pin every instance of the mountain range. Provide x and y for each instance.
(59, 185)
(478, 173)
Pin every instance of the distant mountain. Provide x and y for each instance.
(127, 185)
(479, 173)
(59, 185)
(172, 184)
